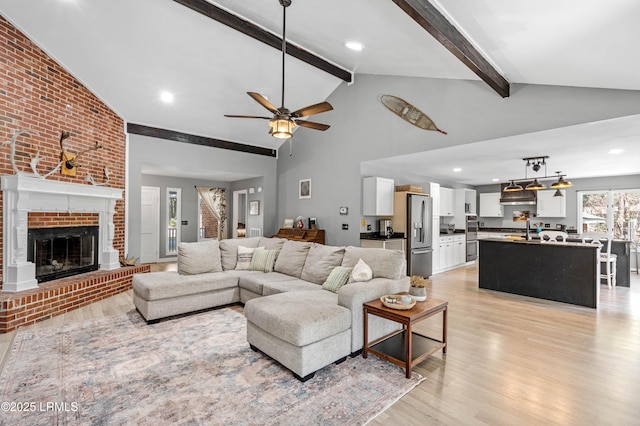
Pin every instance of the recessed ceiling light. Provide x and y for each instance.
(166, 97)
(457, 169)
(616, 151)
(354, 45)
(495, 180)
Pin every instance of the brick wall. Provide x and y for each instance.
(209, 222)
(56, 220)
(64, 295)
(38, 94)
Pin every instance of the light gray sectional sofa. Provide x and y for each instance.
(290, 316)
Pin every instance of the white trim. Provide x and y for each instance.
(23, 194)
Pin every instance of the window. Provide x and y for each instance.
(173, 219)
(610, 211)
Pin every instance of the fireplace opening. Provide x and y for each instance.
(63, 252)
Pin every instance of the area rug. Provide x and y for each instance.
(197, 369)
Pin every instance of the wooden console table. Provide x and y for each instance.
(311, 235)
(399, 347)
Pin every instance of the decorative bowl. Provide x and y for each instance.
(393, 301)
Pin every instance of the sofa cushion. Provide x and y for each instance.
(292, 258)
(384, 263)
(320, 262)
(229, 250)
(245, 254)
(361, 272)
(296, 284)
(255, 282)
(170, 284)
(199, 257)
(272, 243)
(337, 278)
(263, 260)
(300, 318)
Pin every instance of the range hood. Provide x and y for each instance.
(517, 198)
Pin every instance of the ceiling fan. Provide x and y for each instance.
(284, 121)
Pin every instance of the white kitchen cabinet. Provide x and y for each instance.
(550, 206)
(490, 205)
(435, 244)
(459, 250)
(447, 201)
(483, 235)
(377, 196)
(434, 193)
(389, 244)
(451, 251)
(464, 205)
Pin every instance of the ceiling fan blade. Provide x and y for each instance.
(246, 116)
(312, 109)
(312, 125)
(263, 101)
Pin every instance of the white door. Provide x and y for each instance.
(149, 224)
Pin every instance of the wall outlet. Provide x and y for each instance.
(185, 222)
(345, 226)
(369, 227)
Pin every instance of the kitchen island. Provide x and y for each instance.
(567, 272)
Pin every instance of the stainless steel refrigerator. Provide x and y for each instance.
(419, 246)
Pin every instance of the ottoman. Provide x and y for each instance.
(302, 330)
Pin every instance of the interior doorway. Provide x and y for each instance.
(239, 224)
(149, 224)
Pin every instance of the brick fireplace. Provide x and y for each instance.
(38, 94)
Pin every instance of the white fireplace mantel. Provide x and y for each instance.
(23, 194)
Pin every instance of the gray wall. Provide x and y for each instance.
(144, 150)
(362, 129)
(189, 201)
(631, 182)
(252, 221)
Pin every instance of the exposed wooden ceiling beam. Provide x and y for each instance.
(254, 31)
(429, 18)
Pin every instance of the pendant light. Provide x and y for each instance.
(512, 187)
(535, 186)
(561, 183)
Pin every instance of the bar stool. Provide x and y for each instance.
(604, 240)
(553, 237)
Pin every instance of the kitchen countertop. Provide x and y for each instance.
(538, 243)
(376, 236)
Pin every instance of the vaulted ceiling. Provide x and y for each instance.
(128, 52)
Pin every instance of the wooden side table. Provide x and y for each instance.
(399, 347)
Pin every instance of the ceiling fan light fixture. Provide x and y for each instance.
(281, 127)
(512, 187)
(535, 186)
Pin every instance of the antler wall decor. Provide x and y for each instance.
(69, 161)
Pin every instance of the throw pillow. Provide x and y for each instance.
(263, 260)
(337, 278)
(199, 258)
(245, 254)
(361, 272)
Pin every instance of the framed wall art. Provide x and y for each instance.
(304, 188)
(254, 208)
(287, 223)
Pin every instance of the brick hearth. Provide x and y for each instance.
(60, 296)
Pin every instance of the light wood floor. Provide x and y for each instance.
(511, 360)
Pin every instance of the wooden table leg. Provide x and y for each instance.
(444, 330)
(409, 340)
(366, 333)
